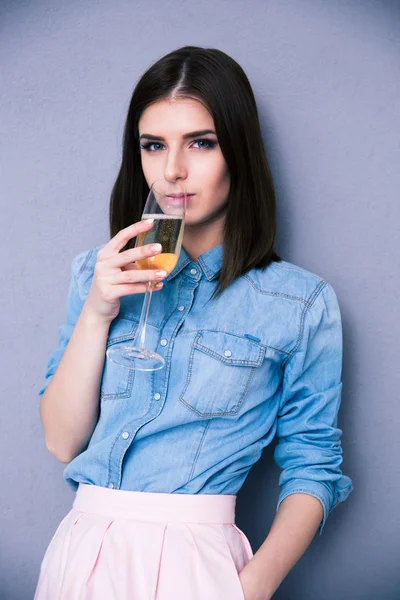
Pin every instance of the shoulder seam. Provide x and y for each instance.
(83, 265)
(309, 303)
(293, 267)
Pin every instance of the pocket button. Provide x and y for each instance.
(227, 353)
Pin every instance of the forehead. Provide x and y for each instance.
(174, 117)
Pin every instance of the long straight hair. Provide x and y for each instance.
(220, 84)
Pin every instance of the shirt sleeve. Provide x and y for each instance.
(308, 445)
(74, 307)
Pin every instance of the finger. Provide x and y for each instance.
(122, 238)
(137, 288)
(133, 254)
(138, 276)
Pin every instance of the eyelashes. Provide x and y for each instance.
(150, 146)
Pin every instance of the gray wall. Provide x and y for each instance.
(327, 81)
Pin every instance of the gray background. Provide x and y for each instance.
(326, 78)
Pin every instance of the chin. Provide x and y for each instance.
(193, 219)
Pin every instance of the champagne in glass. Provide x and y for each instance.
(167, 231)
(166, 204)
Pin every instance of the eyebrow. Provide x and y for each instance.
(187, 136)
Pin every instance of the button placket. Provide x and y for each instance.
(122, 443)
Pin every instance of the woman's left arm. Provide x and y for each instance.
(308, 449)
(292, 530)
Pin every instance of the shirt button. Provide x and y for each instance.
(157, 396)
(125, 435)
(111, 485)
(164, 342)
(181, 308)
(227, 353)
(193, 271)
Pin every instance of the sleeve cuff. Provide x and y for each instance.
(326, 493)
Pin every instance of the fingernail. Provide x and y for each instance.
(149, 220)
(156, 247)
(161, 273)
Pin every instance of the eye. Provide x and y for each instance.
(151, 146)
(202, 144)
(205, 143)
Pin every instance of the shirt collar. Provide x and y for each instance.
(210, 263)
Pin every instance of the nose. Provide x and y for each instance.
(175, 166)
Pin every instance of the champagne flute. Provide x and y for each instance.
(166, 204)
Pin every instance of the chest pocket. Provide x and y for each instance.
(221, 368)
(117, 381)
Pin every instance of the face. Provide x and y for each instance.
(173, 148)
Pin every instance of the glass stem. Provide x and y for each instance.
(141, 329)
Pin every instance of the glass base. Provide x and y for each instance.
(134, 358)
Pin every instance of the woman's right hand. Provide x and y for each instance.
(116, 275)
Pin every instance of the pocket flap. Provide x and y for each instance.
(230, 349)
(121, 330)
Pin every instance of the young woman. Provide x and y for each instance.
(252, 347)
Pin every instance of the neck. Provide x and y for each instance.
(198, 239)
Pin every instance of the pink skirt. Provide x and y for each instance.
(122, 545)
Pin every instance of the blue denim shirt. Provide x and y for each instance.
(263, 360)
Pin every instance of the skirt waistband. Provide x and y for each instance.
(151, 506)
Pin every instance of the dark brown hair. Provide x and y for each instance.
(215, 79)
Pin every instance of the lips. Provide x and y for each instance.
(177, 200)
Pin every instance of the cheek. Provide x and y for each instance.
(145, 167)
(152, 169)
(222, 180)
(215, 174)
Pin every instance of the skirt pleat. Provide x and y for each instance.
(118, 545)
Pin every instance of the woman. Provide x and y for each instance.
(252, 346)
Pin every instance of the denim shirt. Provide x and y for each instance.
(263, 360)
